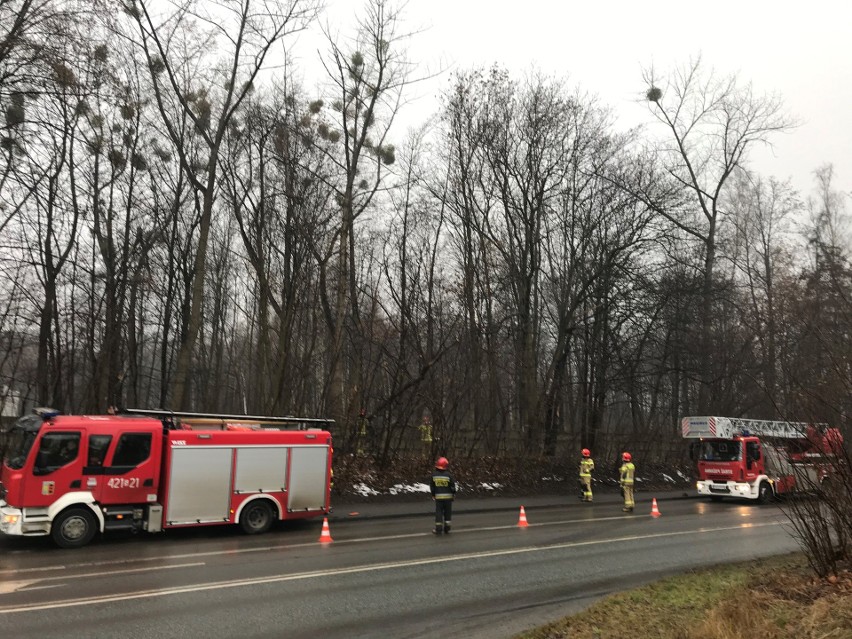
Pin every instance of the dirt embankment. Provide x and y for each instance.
(358, 478)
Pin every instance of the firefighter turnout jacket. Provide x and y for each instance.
(627, 471)
(442, 484)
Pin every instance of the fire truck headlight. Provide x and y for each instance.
(10, 520)
(743, 488)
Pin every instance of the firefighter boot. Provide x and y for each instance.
(438, 529)
(447, 528)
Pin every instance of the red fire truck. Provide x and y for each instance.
(758, 459)
(71, 476)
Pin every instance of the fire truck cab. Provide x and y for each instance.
(72, 477)
(757, 459)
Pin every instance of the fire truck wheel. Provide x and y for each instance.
(764, 493)
(257, 517)
(73, 528)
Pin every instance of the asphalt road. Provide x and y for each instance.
(384, 575)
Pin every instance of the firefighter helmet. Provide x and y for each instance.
(586, 453)
(442, 463)
(626, 457)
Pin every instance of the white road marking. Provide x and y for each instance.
(238, 583)
(14, 586)
(358, 540)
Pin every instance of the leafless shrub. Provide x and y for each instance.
(821, 515)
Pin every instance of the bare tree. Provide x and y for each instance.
(187, 84)
(47, 145)
(760, 210)
(368, 77)
(417, 311)
(818, 361)
(464, 187)
(35, 36)
(711, 124)
(276, 179)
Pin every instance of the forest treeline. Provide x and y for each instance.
(184, 224)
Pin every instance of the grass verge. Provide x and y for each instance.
(775, 598)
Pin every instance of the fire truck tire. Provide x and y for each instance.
(764, 493)
(257, 517)
(73, 527)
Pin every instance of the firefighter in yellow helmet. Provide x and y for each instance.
(587, 465)
(443, 489)
(628, 472)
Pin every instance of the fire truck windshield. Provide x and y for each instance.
(713, 451)
(21, 439)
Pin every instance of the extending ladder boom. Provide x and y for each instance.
(729, 427)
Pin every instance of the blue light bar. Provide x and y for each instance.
(46, 413)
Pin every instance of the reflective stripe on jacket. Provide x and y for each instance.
(586, 467)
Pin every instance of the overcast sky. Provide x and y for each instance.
(800, 49)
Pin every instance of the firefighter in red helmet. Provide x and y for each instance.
(443, 489)
(627, 475)
(587, 465)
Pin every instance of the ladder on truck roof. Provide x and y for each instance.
(729, 427)
(212, 420)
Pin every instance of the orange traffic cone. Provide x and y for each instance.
(325, 536)
(655, 512)
(522, 520)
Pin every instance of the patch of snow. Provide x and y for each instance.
(364, 490)
(681, 475)
(667, 478)
(494, 486)
(408, 488)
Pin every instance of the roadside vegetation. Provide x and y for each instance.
(776, 598)
(804, 595)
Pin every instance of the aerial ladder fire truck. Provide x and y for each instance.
(72, 476)
(759, 459)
